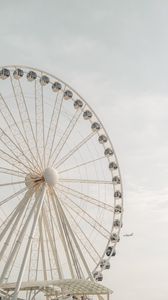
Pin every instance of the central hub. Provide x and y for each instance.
(50, 176)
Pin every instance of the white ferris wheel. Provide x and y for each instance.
(60, 190)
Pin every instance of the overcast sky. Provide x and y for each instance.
(115, 54)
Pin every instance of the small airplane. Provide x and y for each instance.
(128, 234)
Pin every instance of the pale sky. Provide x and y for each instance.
(115, 54)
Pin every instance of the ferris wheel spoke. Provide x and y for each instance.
(49, 205)
(73, 150)
(74, 239)
(14, 226)
(71, 248)
(87, 181)
(52, 244)
(10, 219)
(19, 238)
(13, 126)
(66, 135)
(85, 247)
(84, 239)
(11, 183)
(23, 113)
(82, 164)
(34, 257)
(87, 217)
(75, 262)
(54, 123)
(12, 147)
(35, 251)
(87, 198)
(16, 254)
(62, 234)
(51, 261)
(20, 228)
(39, 120)
(38, 251)
(41, 238)
(38, 205)
(12, 172)
(12, 196)
(9, 119)
(14, 162)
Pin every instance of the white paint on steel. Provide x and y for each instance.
(55, 188)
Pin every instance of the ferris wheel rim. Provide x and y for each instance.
(104, 130)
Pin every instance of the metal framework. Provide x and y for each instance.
(61, 192)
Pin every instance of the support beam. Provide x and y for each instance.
(35, 222)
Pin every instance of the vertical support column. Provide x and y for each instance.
(24, 261)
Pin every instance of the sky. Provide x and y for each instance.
(115, 54)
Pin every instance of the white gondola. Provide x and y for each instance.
(31, 75)
(44, 80)
(56, 86)
(117, 223)
(87, 114)
(68, 95)
(105, 264)
(110, 251)
(18, 73)
(108, 152)
(118, 209)
(113, 166)
(114, 238)
(116, 180)
(78, 104)
(95, 126)
(4, 73)
(98, 276)
(117, 194)
(102, 139)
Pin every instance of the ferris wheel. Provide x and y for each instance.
(61, 192)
